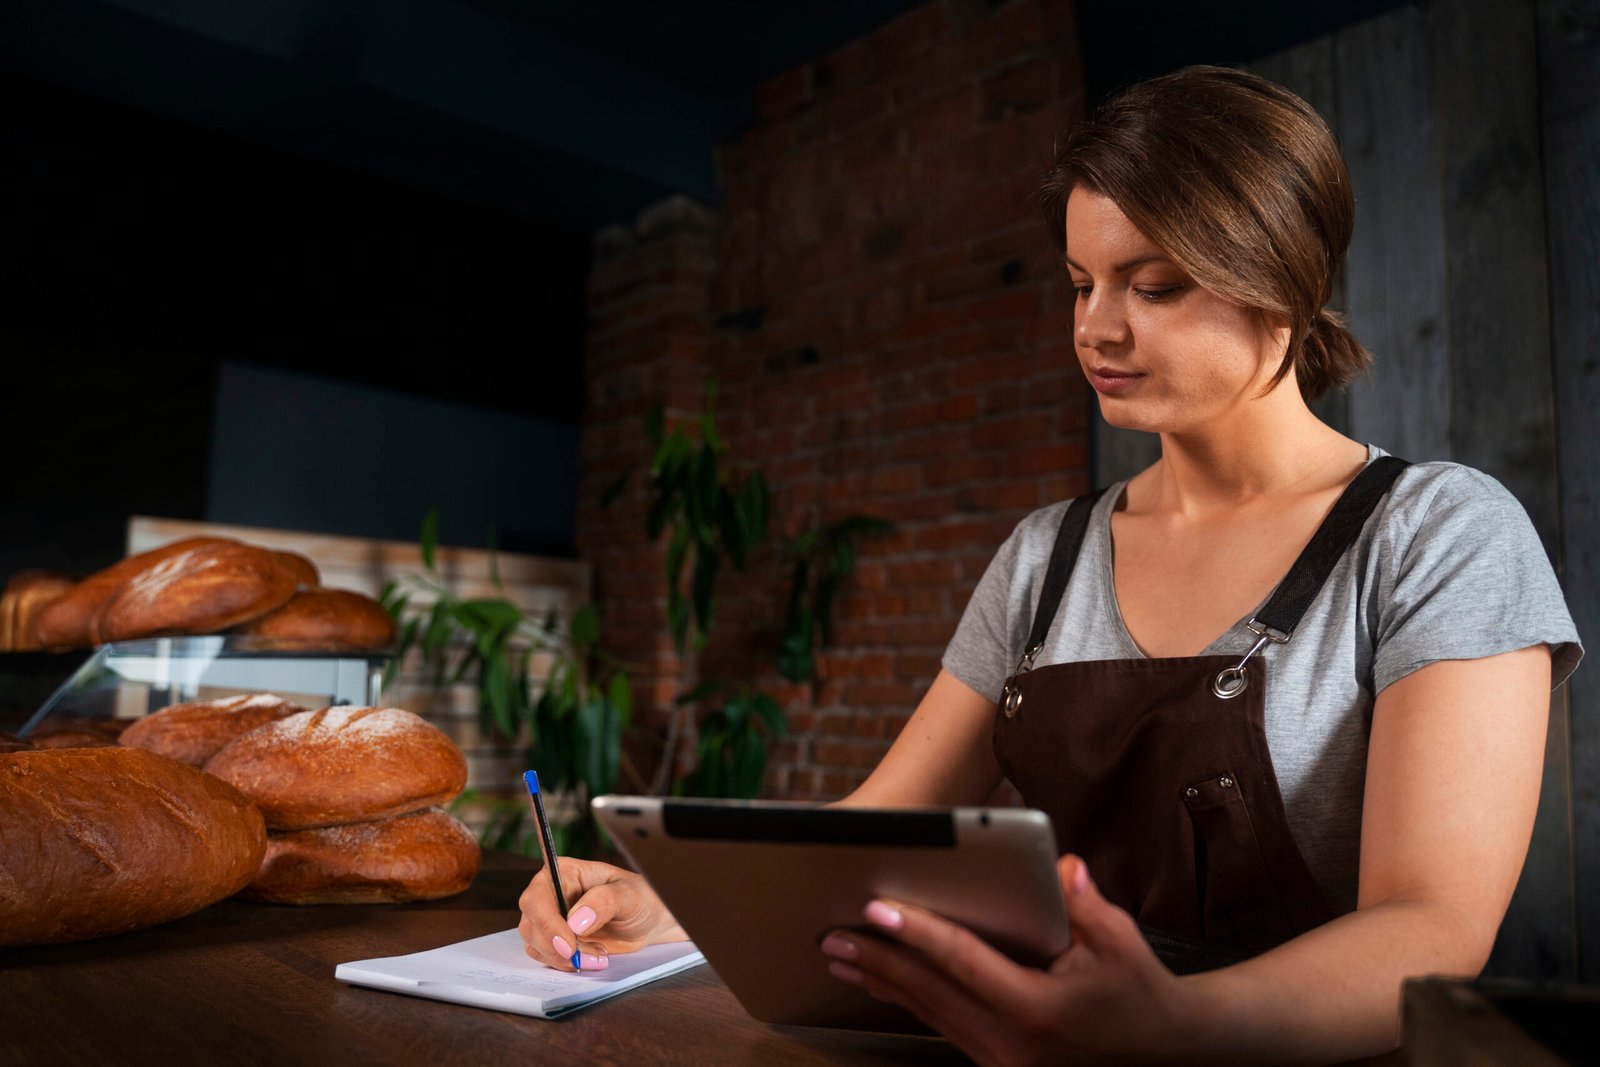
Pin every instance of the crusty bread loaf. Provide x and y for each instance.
(341, 765)
(333, 619)
(73, 731)
(305, 572)
(421, 856)
(13, 743)
(67, 622)
(98, 841)
(205, 590)
(193, 733)
(27, 594)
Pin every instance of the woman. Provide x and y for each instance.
(1270, 828)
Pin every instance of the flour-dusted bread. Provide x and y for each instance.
(421, 856)
(205, 590)
(342, 765)
(68, 621)
(333, 619)
(101, 840)
(193, 733)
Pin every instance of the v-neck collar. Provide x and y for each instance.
(1108, 590)
(1224, 643)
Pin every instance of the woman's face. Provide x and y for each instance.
(1164, 354)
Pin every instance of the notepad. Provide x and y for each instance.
(495, 972)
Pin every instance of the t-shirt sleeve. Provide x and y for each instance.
(980, 651)
(1474, 581)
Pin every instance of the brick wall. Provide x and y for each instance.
(880, 306)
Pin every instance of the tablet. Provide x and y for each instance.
(757, 885)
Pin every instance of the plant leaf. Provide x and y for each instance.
(430, 539)
(585, 628)
(620, 693)
(495, 686)
(615, 489)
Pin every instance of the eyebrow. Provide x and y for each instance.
(1123, 267)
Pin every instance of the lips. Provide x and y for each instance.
(1109, 380)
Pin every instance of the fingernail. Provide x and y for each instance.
(581, 919)
(563, 949)
(591, 962)
(1080, 878)
(846, 973)
(884, 915)
(840, 948)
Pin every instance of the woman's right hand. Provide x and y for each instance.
(611, 910)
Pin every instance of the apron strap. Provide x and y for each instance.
(1288, 603)
(1063, 558)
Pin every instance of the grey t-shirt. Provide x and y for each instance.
(1447, 567)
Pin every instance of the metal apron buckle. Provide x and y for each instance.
(1231, 681)
(1011, 695)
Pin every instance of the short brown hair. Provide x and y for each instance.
(1242, 184)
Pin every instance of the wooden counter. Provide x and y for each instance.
(244, 983)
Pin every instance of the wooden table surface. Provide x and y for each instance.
(244, 983)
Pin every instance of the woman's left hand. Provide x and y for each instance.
(1106, 999)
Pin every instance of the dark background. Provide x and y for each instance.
(390, 215)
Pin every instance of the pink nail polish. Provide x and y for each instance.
(1080, 878)
(581, 919)
(840, 948)
(591, 962)
(563, 949)
(884, 915)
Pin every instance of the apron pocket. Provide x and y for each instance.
(1239, 903)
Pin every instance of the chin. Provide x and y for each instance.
(1125, 416)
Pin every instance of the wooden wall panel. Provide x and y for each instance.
(1394, 274)
(1569, 86)
(1502, 404)
(1309, 70)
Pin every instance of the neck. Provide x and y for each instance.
(1273, 448)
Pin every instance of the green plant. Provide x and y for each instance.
(821, 560)
(570, 721)
(711, 511)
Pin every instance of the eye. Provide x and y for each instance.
(1158, 293)
(1082, 289)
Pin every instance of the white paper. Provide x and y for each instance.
(495, 972)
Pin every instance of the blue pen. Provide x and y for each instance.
(549, 845)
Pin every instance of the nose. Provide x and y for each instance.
(1099, 319)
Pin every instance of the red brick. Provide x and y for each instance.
(1047, 458)
(961, 469)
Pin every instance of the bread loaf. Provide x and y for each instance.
(72, 731)
(98, 841)
(67, 622)
(205, 590)
(341, 765)
(333, 619)
(193, 733)
(421, 856)
(305, 572)
(26, 595)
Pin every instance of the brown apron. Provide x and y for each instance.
(1157, 773)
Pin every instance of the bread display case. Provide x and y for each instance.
(127, 680)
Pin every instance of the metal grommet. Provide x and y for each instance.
(1230, 682)
(1225, 782)
(1011, 701)
(1191, 792)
